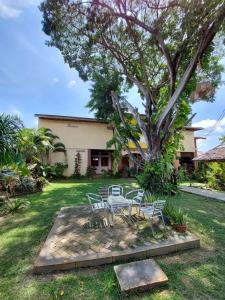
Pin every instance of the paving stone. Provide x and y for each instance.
(123, 245)
(96, 248)
(108, 245)
(105, 250)
(140, 275)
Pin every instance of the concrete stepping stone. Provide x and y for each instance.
(139, 276)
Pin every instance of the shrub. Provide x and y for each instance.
(60, 168)
(25, 185)
(183, 175)
(53, 171)
(90, 172)
(13, 206)
(199, 174)
(156, 177)
(40, 183)
(216, 175)
(106, 173)
(110, 174)
(133, 172)
(14, 184)
(9, 180)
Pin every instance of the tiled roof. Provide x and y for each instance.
(215, 154)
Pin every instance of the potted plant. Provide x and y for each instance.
(176, 216)
(179, 220)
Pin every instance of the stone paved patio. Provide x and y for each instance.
(79, 238)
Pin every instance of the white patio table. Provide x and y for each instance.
(117, 203)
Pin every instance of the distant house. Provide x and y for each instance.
(89, 136)
(216, 154)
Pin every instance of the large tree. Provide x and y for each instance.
(164, 48)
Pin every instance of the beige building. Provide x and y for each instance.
(89, 137)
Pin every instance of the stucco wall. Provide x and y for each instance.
(188, 141)
(77, 136)
(83, 135)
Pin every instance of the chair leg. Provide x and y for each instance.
(112, 216)
(152, 227)
(130, 210)
(107, 217)
(163, 221)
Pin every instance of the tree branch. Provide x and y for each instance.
(149, 29)
(204, 43)
(131, 155)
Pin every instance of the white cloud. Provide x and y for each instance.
(55, 79)
(209, 123)
(7, 11)
(13, 8)
(71, 84)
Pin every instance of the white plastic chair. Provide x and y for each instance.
(115, 190)
(136, 196)
(155, 210)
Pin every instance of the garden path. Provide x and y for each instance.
(203, 192)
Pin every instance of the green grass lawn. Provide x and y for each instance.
(195, 274)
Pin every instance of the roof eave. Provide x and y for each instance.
(69, 118)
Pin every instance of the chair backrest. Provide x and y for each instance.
(115, 190)
(139, 197)
(159, 204)
(104, 193)
(93, 198)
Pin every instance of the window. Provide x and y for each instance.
(104, 161)
(94, 161)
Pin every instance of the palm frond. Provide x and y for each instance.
(56, 145)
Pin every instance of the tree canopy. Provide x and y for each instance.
(104, 82)
(164, 48)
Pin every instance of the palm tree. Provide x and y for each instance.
(35, 145)
(55, 146)
(9, 127)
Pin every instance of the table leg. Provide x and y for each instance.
(112, 216)
(130, 210)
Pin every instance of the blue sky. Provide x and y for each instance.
(34, 78)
